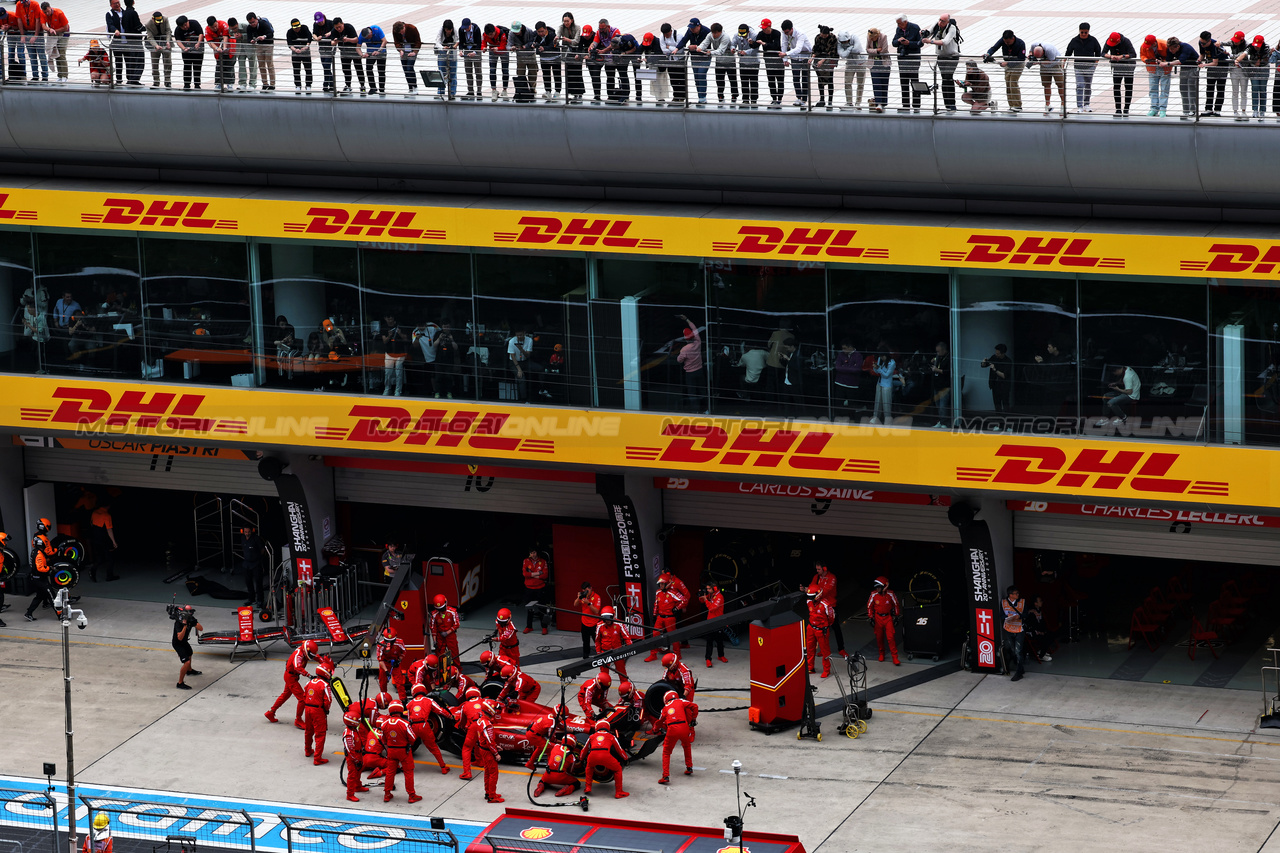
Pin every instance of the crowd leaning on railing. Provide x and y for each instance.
(602, 64)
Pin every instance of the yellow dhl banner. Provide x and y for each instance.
(1100, 470)
(906, 245)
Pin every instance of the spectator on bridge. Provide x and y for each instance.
(373, 42)
(691, 43)
(159, 42)
(261, 37)
(977, 87)
(1215, 60)
(1123, 59)
(1187, 61)
(769, 41)
(717, 45)
(1051, 71)
(1085, 51)
(799, 53)
(31, 30)
(322, 31)
(246, 69)
(191, 42)
(299, 41)
(908, 41)
(218, 35)
(520, 42)
(347, 41)
(470, 47)
(59, 30)
(945, 36)
(1239, 85)
(99, 64)
(115, 32)
(1255, 61)
(1155, 55)
(1013, 58)
(494, 42)
(854, 60)
(743, 48)
(826, 56)
(548, 51)
(133, 31)
(878, 58)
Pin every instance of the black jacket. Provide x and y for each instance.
(1016, 52)
(132, 24)
(1084, 47)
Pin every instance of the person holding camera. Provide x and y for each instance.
(713, 599)
(999, 377)
(537, 594)
(588, 601)
(183, 621)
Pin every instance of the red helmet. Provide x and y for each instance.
(813, 591)
(491, 708)
(368, 706)
(486, 656)
(606, 613)
(669, 660)
(312, 648)
(624, 688)
(604, 679)
(323, 671)
(439, 602)
(508, 671)
(395, 709)
(472, 693)
(504, 615)
(388, 633)
(602, 726)
(431, 662)
(418, 690)
(382, 700)
(882, 581)
(669, 695)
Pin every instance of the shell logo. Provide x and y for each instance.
(734, 850)
(536, 833)
(326, 612)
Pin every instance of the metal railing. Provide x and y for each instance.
(963, 86)
(331, 838)
(335, 587)
(29, 822)
(172, 829)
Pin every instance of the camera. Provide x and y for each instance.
(82, 622)
(181, 613)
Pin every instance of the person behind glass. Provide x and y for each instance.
(1085, 50)
(878, 49)
(159, 42)
(798, 53)
(945, 36)
(322, 30)
(347, 39)
(447, 59)
(1039, 638)
(1123, 59)
(769, 41)
(885, 368)
(81, 333)
(690, 361)
(262, 39)
(1014, 635)
(470, 48)
(519, 350)
(287, 345)
(908, 41)
(846, 373)
(700, 60)
(395, 348)
(940, 382)
(64, 308)
(588, 602)
(1125, 390)
(1215, 60)
(716, 45)
(999, 377)
(792, 378)
(1186, 59)
(547, 47)
(753, 362)
(299, 41)
(742, 48)
(826, 56)
(494, 42)
(191, 42)
(373, 44)
(566, 42)
(977, 87)
(446, 363)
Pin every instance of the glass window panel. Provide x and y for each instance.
(887, 317)
(544, 297)
(20, 347)
(1242, 395)
(92, 271)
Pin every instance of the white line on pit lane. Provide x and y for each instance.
(760, 775)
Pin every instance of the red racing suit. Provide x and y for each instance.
(390, 654)
(610, 636)
(508, 642)
(681, 681)
(444, 633)
(486, 743)
(559, 772)
(419, 711)
(397, 738)
(520, 686)
(294, 669)
(603, 750)
(678, 718)
(817, 634)
(457, 682)
(468, 713)
(628, 711)
(496, 665)
(316, 699)
(593, 694)
(665, 605)
(826, 585)
(883, 609)
(353, 741)
(539, 730)
(535, 573)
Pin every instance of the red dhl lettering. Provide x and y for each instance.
(582, 232)
(97, 406)
(769, 240)
(1241, 257)
(166, 214)
(385, 424)
(1000, 249)
(366, 222)
(754, 448)
(1035, 465)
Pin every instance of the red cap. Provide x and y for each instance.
(1150, 39)
(766, 23)
(688, 333)
(648, 39)
(1259, 41)
(1114, 39)
(1239, 36)
(586, 30)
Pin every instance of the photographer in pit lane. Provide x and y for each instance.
(184, 619)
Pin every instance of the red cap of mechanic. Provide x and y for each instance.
(1114, 39)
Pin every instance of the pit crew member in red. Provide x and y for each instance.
(398, 737)
(494, 664)
(536, 574)
(356, 724)
(593, 696)
(507, 636)
(294, 669)
(713, 599)
(665, 604)
(487, 748)
(317, 698)
(519, 685)
(588, 601)
(390, 652)
(610, 635)
(678, 676)
(679, 718)
(817, 631)
(444, 629)
(419, 711)
(826, 582)
(603, 750)
(883, 610)
(679, 588)
(559, 773)
(471, 710)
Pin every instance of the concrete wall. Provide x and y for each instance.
(832, 159)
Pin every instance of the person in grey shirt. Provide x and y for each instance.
(1051, 71)
(854, 60)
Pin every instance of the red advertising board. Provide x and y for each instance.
(332, 625)
(244, 623)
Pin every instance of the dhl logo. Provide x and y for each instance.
(768, 240)
(543, 230)
(363, 222)
(1237, 258)
(1090, 468)
(705, 444)
(165, 214)
(6, 213)
(97, 407)
(1037, 251)
(437, 427)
